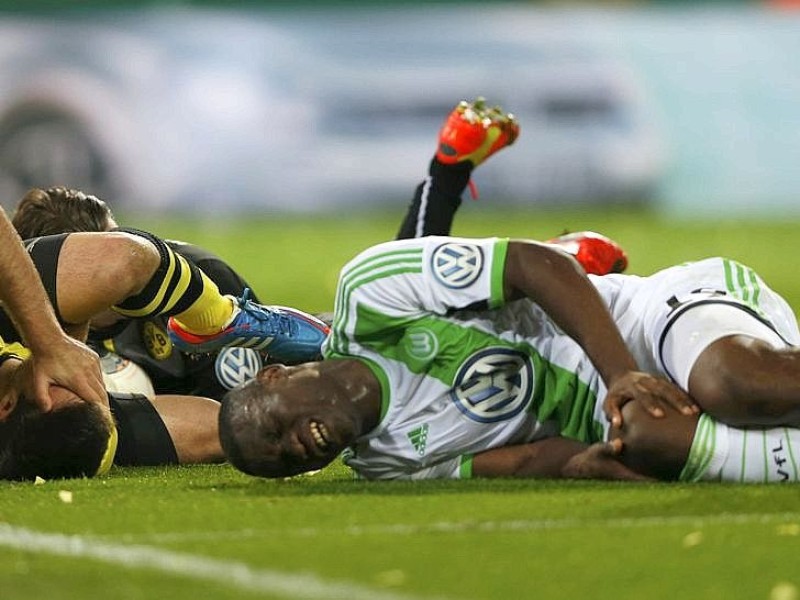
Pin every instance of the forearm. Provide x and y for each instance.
(556, 458)
(192, 424)
(544, 459)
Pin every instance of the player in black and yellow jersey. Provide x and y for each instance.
(145, 340)
(139, 276)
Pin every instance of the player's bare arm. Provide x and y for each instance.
(556, 458)
(57, 359)
(555, 281)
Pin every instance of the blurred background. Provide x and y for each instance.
(687, 108)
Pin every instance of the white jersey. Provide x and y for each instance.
(461, 370)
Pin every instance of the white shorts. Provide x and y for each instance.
(700, 303)
(701, 324)
(669, 318)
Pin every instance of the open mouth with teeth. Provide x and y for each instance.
(320, 434)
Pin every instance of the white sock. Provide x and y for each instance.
(723, 453)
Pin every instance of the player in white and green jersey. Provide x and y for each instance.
(436, 368)
(431, 360)
(433, 369)
(456, 383)
(511, 372)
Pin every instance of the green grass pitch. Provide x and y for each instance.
(211, 532)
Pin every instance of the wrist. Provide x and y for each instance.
(621, 369)
(53, 344)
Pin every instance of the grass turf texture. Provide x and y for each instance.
(211, 532)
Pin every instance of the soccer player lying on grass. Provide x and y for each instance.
(144, 341)
(138, 275)
(420, 381)
(81, 439)
(453, 357)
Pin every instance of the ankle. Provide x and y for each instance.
(450, 179)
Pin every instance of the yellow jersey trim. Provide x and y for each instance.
(108, 455)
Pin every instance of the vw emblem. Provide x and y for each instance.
(457, 265)
(494, 384)
(235, 366)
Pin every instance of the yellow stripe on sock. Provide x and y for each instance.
(210, 313)
(183, 284)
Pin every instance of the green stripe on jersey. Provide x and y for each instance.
(399, 262)
(429, 345)
(384, 383)
(498, 267)
(465, 469)
(439, 346)
(560, 395)
(386, 264)
(742, 283)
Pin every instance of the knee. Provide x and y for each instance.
(131, 261)
(657, 447)
(637, 432)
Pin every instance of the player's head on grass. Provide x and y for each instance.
(60, 210)
(290, 420)
(76, 439)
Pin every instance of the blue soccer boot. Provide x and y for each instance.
(286, 334)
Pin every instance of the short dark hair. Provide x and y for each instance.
(64, 443)
(236, 424)
(227, 417)
(59, 210)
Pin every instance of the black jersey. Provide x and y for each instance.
(145, 341)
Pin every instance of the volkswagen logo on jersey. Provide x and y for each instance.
(457, 265)
(235, 366)
(494, 384)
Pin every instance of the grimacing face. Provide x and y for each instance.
(293, 421)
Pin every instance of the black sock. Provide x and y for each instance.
(436, 200)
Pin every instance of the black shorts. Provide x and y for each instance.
(143, 437)
(44, 252)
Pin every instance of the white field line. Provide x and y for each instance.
(223, 572)
(457, 527)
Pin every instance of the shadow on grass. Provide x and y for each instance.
(632, 498)
(320, 485)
